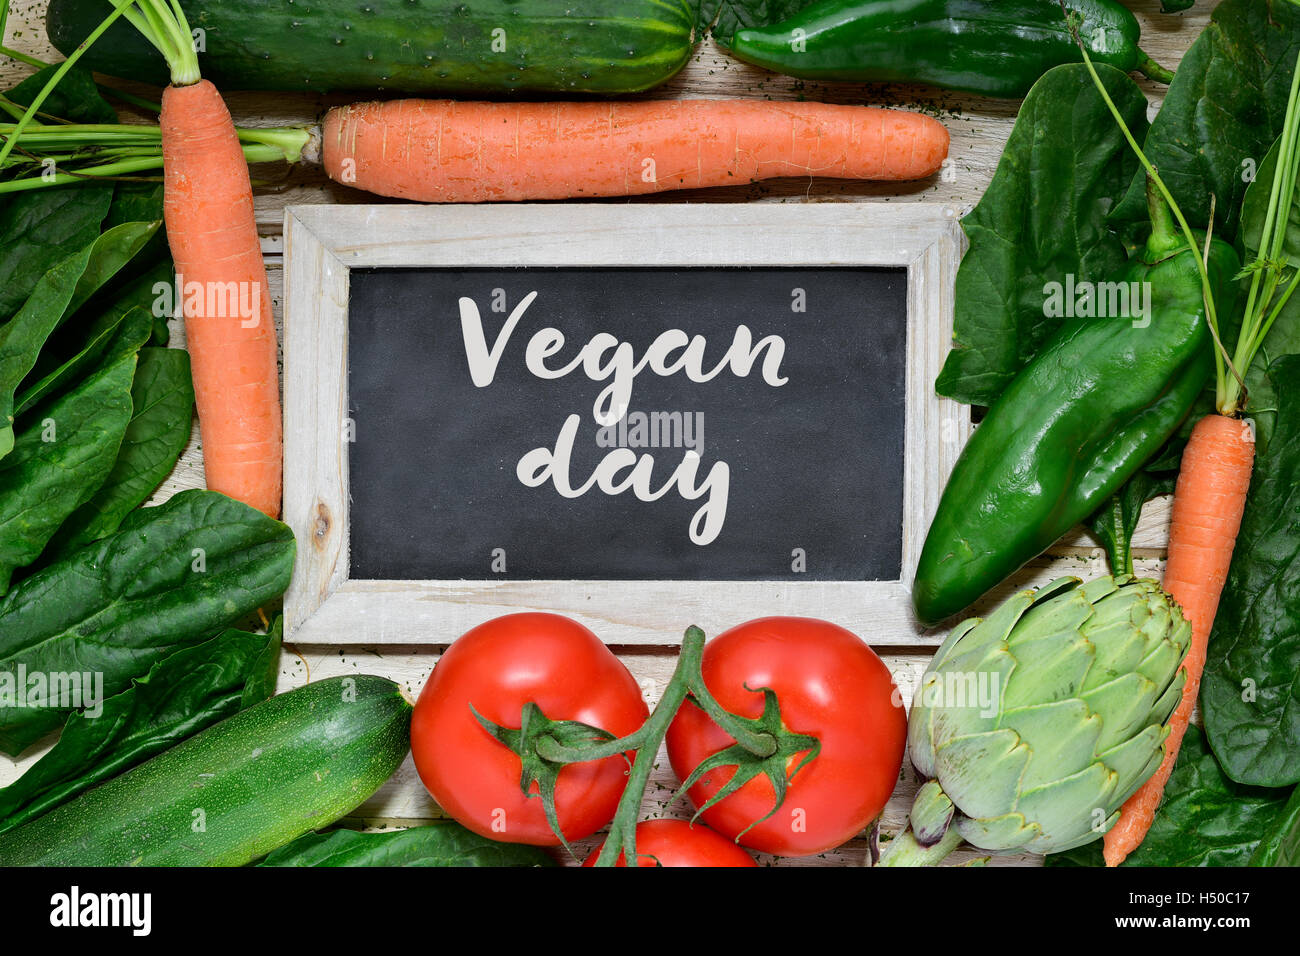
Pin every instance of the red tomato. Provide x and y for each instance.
(677, 843)
(498, 667)
(830, 685)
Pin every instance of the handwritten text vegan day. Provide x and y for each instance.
(604, 358)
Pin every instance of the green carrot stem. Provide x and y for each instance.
(119, 9)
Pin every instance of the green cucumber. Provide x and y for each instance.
(405, 46)
(236, 791)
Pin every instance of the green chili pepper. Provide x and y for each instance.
(993, 47)
(1100, 398)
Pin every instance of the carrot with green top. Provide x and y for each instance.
(1214, 477)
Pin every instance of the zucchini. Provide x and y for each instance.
(236, 791)
(405, 46)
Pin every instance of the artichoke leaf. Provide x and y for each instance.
(1124, 704)
(1048, 670)
(1169, 699)
(1068, 806)
(981, 773)
(1062, 737)
(1118, 648)
(1047, 622)
(1007, 832)
(1135, 759)
(951, 642)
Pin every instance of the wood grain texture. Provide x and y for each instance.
(979, 128)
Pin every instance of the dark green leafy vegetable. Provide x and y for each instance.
(60, 458)
(1280, 846)
(1252, 671)
(162, 396)
(1114, 524)
(438, 844)
(1222, 112)
(141, 202)
(76, 98)
(41, 228)
(170, 577)
(1205, 819)
(179, 696)
(57, 294)
(1042, 219)
(725, 17)
(1284, 337)
(109, 337)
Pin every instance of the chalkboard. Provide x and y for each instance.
(808, 415)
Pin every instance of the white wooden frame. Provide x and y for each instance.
(322, 243)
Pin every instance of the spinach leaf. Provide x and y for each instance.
(57, 294)
(1223, 110)
(438, 844)
(141, 202)
(1204, 820)
(1252, 671)
(180, 695)
(39, 229)
(1280, 845)
(163, 399)
(75, 99)
(1043, 218)
(109, 337)
(168, 578)
(59, 459)
(725, 17)
(1114, 522)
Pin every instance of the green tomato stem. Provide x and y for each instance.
(621, 840)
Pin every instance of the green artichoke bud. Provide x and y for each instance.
(1034, 725)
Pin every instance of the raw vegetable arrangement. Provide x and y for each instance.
(786, 736)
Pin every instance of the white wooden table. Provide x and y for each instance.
(979, 128)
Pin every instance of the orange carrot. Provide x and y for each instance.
(1208, 504)
(208, 208)
(445, 151)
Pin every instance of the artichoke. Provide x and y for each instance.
(1033, 726)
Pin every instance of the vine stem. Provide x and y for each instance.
(687, 680)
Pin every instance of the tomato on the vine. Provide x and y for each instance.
(678, 843)
(830, 685)
(498, 667)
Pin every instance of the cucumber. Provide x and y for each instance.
(236, 791)
(405, 46)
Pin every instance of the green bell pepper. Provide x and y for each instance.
(993, 47)
(1094, 405)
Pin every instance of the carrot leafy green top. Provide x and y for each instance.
(163, 24)
(1273, 277)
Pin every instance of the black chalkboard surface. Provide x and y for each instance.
(807, 414)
